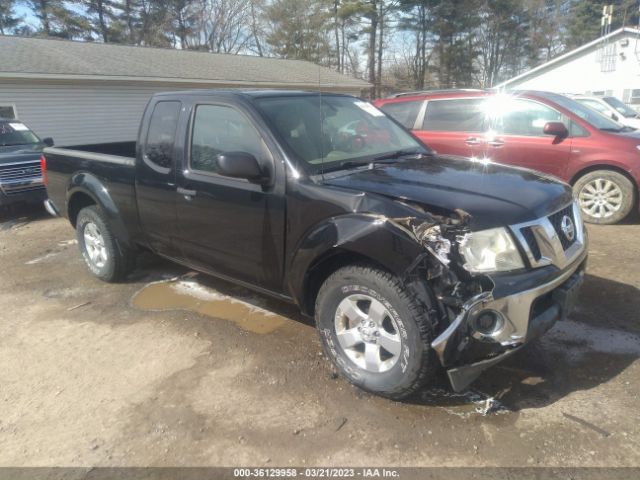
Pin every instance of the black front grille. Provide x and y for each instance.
(556, 221)
(527, 233)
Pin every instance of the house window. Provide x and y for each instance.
(635, 96)
(8, 111)
(608, 56)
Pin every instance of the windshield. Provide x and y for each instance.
(331, 132)
(16, 133)
(588, 114)
(621, 107)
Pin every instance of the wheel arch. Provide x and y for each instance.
(345, 240)
(86, 189)
(604, 166)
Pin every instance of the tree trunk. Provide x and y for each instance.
(44, 16)
(336, 31)
(373, 33)
(380, 51)
(254, 30)
(101, 20)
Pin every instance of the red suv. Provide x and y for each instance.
(538, 130)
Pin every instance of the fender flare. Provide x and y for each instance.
(90, 185)
(363, 234)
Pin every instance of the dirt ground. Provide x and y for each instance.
(172, 368)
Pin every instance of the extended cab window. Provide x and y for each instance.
(162, 133)
(403, 112)
(524, 117)
(459, 115)
(218, 129)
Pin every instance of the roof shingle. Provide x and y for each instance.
(33, 57)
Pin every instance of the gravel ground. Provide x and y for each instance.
(172, 368)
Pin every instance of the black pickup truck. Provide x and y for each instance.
(409, 261)
(20, 166)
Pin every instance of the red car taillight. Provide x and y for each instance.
(43, 168)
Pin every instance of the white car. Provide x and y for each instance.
(612, 108)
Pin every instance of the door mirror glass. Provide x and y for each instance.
(48, 142)
(240, 165)
(556, 129)
(615, 117)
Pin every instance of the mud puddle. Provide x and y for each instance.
(187, 294)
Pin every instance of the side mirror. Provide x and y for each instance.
(615, 117)
(48, 142)
(241, 165)
(557, 129)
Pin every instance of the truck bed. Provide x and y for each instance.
(92, 167)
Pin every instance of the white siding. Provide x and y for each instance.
(82, 112)
(582, 73)
(76, 114)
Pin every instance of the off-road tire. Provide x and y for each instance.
(617, 179)
(417, 362)
(120, 260)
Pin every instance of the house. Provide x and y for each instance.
(607, 66)
(83, 92)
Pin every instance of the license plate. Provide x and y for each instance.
(567, 293)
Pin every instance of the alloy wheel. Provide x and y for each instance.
(367, 333)
(94, 245)
(600, 198)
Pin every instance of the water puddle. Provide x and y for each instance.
(188, 294)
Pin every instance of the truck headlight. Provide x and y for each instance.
(490, 250)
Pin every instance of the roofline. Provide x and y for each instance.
(568, 54)
(203, 81)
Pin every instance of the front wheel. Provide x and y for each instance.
(376, 332)
(605, 197)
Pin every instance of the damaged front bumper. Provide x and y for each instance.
(493, 325)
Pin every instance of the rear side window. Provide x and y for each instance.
(162, 134)
(463, 115)
(403, 112)
(218, 129)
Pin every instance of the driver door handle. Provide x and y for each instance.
(187, 193)
(495, 143)
(471, 141)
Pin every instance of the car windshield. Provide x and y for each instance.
(588, 114)
(621, 107)
(16, 133)
(333, 132)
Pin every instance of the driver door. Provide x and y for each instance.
(230, 226)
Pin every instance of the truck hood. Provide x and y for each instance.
(19, 153)
(493, 194)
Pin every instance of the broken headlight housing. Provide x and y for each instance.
(490, 250)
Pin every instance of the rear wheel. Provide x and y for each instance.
(104, 255)
(375, 332)
(605, 197)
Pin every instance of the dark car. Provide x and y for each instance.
(20, 163)
(408, 260)
(544, 131)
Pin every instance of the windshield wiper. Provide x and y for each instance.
(397, 154)
(389, 157)
(611, 129)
